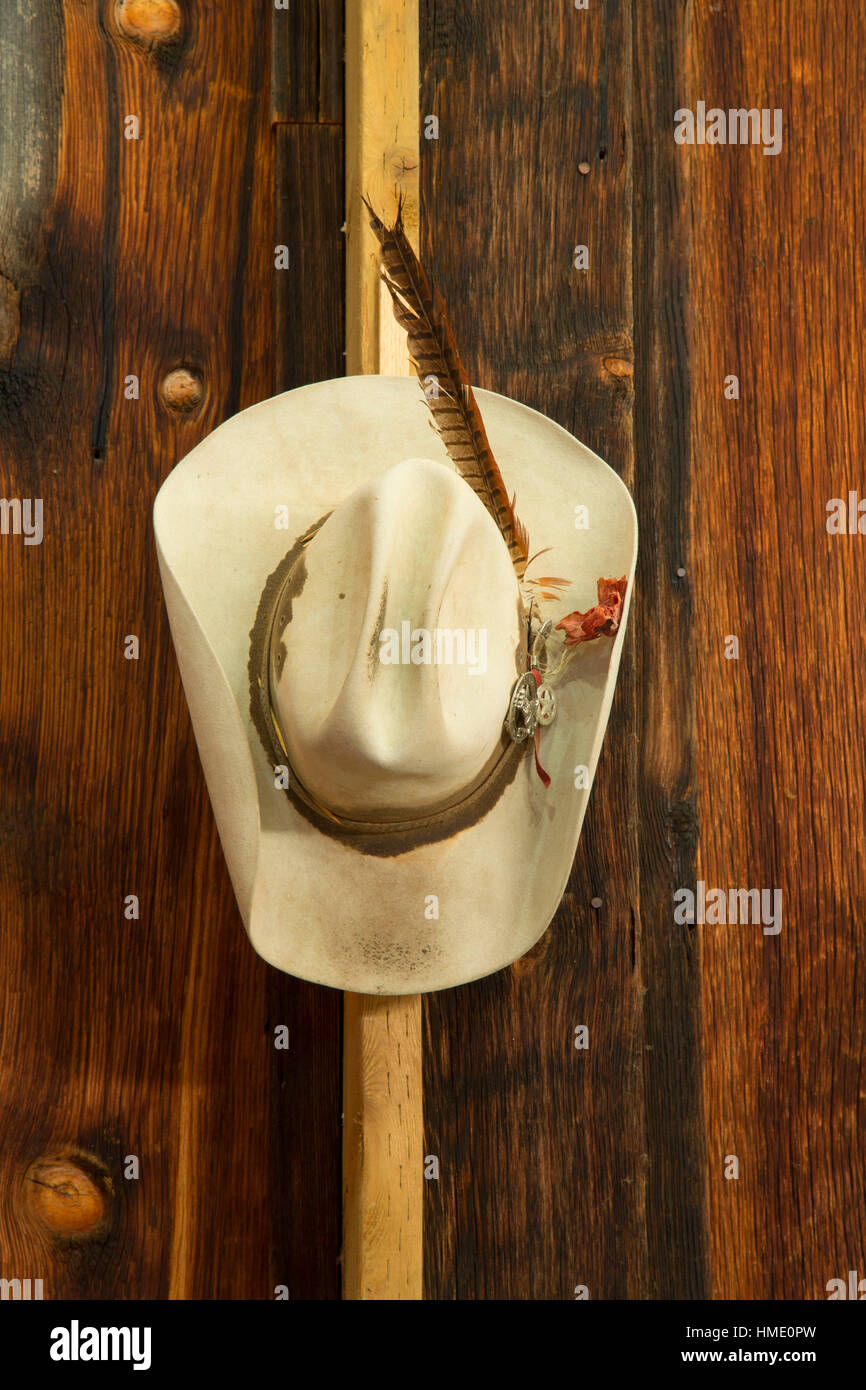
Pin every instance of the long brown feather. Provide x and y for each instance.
(433, 352)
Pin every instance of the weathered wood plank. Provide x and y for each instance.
(31, 41)
(777, 295)
(307, 61)
(151, 1037)
(541, 1145)
(310, 292)
(668, 559)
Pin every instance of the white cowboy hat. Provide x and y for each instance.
(415, 846)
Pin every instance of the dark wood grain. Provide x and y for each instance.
(747, 773)
(151, 1037)
(31, 41)
(676, 1228)
(541, 1147)
(307, 62)
(777, 299)
(310, 294)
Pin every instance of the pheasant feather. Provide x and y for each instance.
(433, 353)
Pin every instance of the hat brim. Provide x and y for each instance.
(441, 913)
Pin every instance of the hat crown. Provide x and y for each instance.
(392, 665)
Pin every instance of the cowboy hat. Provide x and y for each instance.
(385, 822)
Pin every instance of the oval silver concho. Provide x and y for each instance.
(522, 717)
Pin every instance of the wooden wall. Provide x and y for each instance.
(567, 1168)
(150, 1037)
(154, 1037)
(607, 1168)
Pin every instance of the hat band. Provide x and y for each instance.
(350, 825)
(379, 837)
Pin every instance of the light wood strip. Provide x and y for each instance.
(382, 160)
(383, 1155)
(382, 1148)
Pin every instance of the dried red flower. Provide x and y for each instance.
(601, 621)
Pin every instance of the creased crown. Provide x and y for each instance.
(391, 668)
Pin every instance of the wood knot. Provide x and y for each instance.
(400, 162)
(618, 366)
(182, 390)
(148, 21)
(68, 1195)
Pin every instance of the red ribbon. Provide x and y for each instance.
(538, 768)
